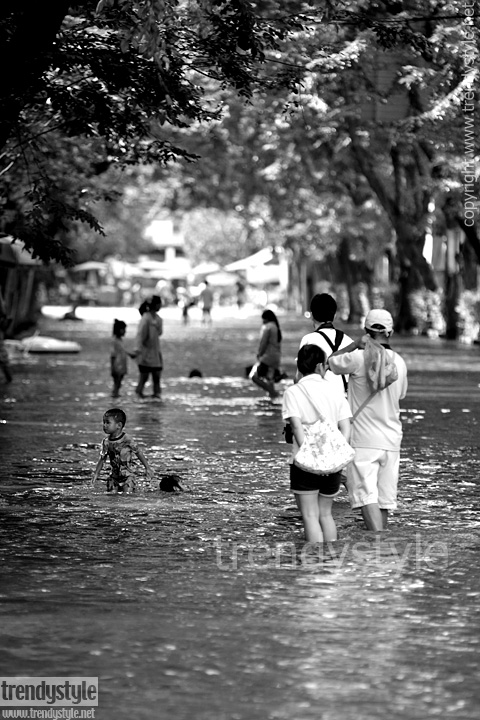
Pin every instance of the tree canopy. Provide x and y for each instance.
(316, 122)
(102, 81)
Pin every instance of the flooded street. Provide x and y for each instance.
(203, 606)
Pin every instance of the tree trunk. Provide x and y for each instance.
(457, 264)
(452, 285)
(405, 320)
(468, 266)
(405, 199)
(414, 272)
(452, 292)
(352, 277)
(471, 235)
(453, 218)
(298, 281)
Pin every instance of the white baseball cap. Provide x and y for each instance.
(379, 321)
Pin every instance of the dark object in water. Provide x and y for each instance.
(195, 373)
(171, 483)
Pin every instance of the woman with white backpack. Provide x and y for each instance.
(304, 403)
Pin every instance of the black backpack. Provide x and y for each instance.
(334, 346)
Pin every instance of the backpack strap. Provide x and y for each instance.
(334, 347)
(321, 416)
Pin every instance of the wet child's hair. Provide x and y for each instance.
(117, 414)
(308, 358)
(195, 373)
(118, 326)
(144, 307)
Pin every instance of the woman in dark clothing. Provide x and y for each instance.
(269, 354)
(148, 354)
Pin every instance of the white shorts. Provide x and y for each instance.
(372, 477)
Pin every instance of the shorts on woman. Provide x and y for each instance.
(147, 369)
(305, 483)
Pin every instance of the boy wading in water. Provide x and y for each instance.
(121, 450)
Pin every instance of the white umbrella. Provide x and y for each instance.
(151, 265)
(89, 265)
(259, 258)
(222, 279)
(122, 268)
(205, 268)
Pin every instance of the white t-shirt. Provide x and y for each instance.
(331, 402)
(378, 424)
(314, 338)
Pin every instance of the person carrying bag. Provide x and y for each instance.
(324, 449)
(316, 411)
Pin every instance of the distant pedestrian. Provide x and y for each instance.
(323, 308)
(206, 299)
(147, 352)
(301, 405)
(377, 383)
(185, 301)
(269, 354)
(118, 356)
(143, 307)
(121, 451)
(241, 294)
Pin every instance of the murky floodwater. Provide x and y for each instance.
(204, 605)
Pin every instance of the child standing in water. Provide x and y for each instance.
(121, 450)
(118, 356)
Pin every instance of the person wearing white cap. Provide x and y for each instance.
(377, 383)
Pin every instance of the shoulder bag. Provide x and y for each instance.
(324, 450)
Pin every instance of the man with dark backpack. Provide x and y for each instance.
(323, 308)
